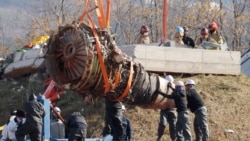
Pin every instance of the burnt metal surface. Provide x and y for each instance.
(71, 60)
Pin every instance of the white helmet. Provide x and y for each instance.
(190, 82)
(170, 78)
(123, 107)
(57, 109)
(179, 83)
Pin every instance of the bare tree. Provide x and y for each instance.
(49, 15)
(239, 29)
(1, 33)
(4, 50)
(127, 16)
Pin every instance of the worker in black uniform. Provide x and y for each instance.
(113, 119)
(34, 120)
(196, 106)
(186, 39)
(77, 127)
(127, 130)
(182, 126)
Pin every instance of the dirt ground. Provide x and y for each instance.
(226, 97)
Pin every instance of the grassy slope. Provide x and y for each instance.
(226, 97)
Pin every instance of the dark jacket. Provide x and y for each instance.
(112, 105)
(180, 99)
(113, 119)
(194, 100)
(76, 120)
(34, 110)
(34, 120)
(76, 127)
(127, 130)
(188, 41)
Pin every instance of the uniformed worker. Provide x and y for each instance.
(77, 127)
(126, 125)
(144, 37)
(182, 126)
(213, 32)
(113, 119)
(178, 36)
(186, 39)
(206, 38)
(35, 113)
(168, 116)
(196, 106)
(57, 128)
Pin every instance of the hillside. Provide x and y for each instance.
(226, 97)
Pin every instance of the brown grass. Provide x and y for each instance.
(226, 97)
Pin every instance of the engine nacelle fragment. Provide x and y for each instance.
(72, 61)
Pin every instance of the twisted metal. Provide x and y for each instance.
(72, 61)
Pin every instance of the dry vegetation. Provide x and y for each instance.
(226, 97)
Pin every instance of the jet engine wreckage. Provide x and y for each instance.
(84, 58)
(87, 60)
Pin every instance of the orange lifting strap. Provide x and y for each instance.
(126, 91)
(84, 13)
(100, 14)
(100, 58)
(108, 13)
(117, 79)
(103, 24)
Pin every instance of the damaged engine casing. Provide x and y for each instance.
(72, 61)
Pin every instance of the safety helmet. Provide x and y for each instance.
(179, 29)
(179, 83)
(185, 29)
(190, 82)
(57, 109)
(144, 29)
(123, 107)
(204, 31)
(170, 78)
(213, 26)
(13, 112)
